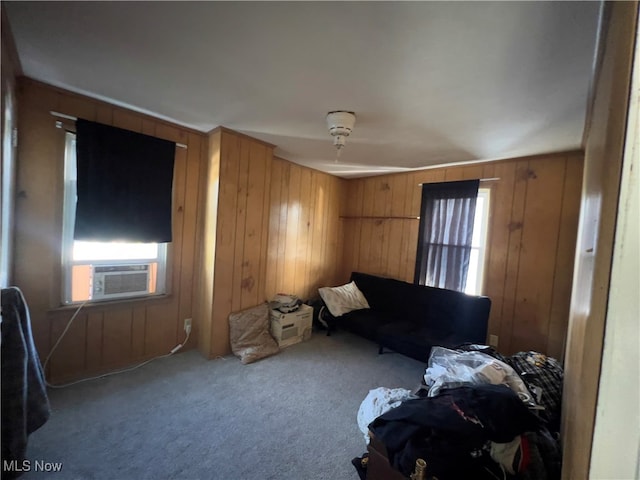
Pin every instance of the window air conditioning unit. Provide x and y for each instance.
(117, 281)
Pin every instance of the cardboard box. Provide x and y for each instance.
(291, 328)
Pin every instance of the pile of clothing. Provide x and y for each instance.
(285, 303)
(478, 415)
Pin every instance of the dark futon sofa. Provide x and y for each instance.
(410, 319)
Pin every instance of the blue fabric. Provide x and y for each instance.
(25, 405)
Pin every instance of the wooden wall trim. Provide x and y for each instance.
(381, 217)
(604, 16)
(616, 446)
(209, 186)
(601, 186)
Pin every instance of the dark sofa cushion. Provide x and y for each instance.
(385, 295)
(364, 322)
(412, 340)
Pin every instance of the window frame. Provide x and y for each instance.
(485, 193)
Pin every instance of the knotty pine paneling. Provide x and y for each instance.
(274, 227)
(114, 334)
(531, 239)
(234, 268)
(305, 235)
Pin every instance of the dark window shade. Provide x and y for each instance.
(124, 183)
(445, 233)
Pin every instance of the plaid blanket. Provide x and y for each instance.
(542, 374)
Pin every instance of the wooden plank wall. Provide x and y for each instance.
(533, 223)
(209, 188)
(241, 232)
(604, 147)
(277, 229)
(105, 336)
(305, 231)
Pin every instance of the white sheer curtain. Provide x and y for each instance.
(445, 234)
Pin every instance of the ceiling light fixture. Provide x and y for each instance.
(340, 124)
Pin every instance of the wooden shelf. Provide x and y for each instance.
(380, 218)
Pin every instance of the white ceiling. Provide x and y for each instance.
(430, 82)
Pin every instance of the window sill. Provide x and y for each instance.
(108, 304)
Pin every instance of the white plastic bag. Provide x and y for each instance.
(450, 369)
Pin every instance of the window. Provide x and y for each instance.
(452, 236)
(475, 273)
(97, 271)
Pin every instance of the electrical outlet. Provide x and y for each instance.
(493, 341)
(187, 325)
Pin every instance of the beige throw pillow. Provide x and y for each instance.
(343, 299)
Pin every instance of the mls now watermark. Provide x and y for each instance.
(29, 466)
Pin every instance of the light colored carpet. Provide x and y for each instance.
(291, 416)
